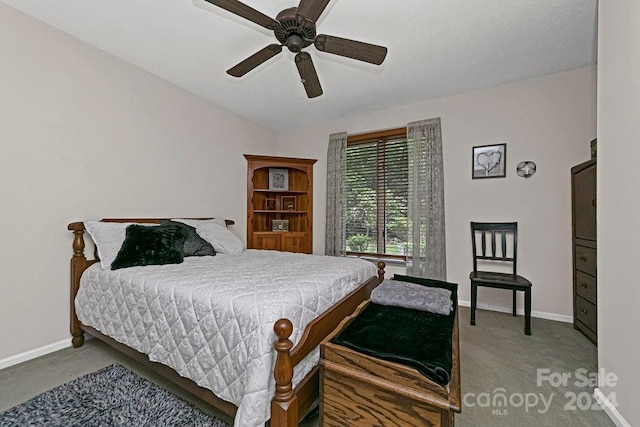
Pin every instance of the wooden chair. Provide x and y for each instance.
(496, 252)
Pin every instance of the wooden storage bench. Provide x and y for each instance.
(361, 390)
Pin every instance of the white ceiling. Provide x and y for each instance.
(436, 48)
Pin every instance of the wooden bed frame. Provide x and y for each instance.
(289, 404)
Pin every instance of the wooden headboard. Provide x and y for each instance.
(78, 231)
(78, 226)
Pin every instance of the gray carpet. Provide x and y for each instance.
(495, 354)
(112, 396)
(498, 359)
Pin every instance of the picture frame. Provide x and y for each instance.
(270, 204)
(280, 225)
(489, 161)
(289, 203)
(278, 179)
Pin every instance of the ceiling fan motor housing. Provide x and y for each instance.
(294, 33)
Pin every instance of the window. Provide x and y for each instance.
(376, 194)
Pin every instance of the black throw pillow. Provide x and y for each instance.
(150, 245)
(194, 245)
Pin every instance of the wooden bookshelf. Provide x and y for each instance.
(280, 209)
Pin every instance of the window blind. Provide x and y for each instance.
(376, 199)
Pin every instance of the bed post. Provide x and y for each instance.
(381, 265)
(284, 406)
(78, 265)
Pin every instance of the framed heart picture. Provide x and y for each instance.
(489, 161)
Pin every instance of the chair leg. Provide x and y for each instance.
(514, 303)
(474, 295)
(527, 312)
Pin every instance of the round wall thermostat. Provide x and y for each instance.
(526, 169)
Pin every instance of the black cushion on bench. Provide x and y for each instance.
(418, 339)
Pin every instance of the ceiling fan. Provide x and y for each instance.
(295, 28)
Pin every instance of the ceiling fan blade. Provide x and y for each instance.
(308, 75)
(246, 12)
(312, 9)
(254, 60)
(361, 51)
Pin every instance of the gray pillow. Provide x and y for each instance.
(194, 245)
(413, 296)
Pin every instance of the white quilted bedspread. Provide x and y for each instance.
(211, 318)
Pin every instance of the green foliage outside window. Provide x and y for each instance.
(358, 243)
(377, 193)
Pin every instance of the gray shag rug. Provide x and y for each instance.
(113, 396)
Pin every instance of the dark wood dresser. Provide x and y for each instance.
(585, 284)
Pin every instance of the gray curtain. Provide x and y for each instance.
(335, 237)
(426, 254)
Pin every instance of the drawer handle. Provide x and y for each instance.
(583, 311)
(583, 258)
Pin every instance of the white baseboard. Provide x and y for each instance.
(610, 409)
(539, 314)
(36, 352)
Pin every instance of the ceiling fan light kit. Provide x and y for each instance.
(295, 28)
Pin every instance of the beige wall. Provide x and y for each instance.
(619, 202)
(548, 120)
(85, 135)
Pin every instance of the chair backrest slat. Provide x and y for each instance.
(484, 245)
(493, 243)
(506, 230)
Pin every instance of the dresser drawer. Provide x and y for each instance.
(586, 313)
(587, 286)
(586, 260)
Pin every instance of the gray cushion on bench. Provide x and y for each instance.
(410, 295)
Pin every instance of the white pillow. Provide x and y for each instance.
(211, 230)
(108, 237)
(220, 222)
